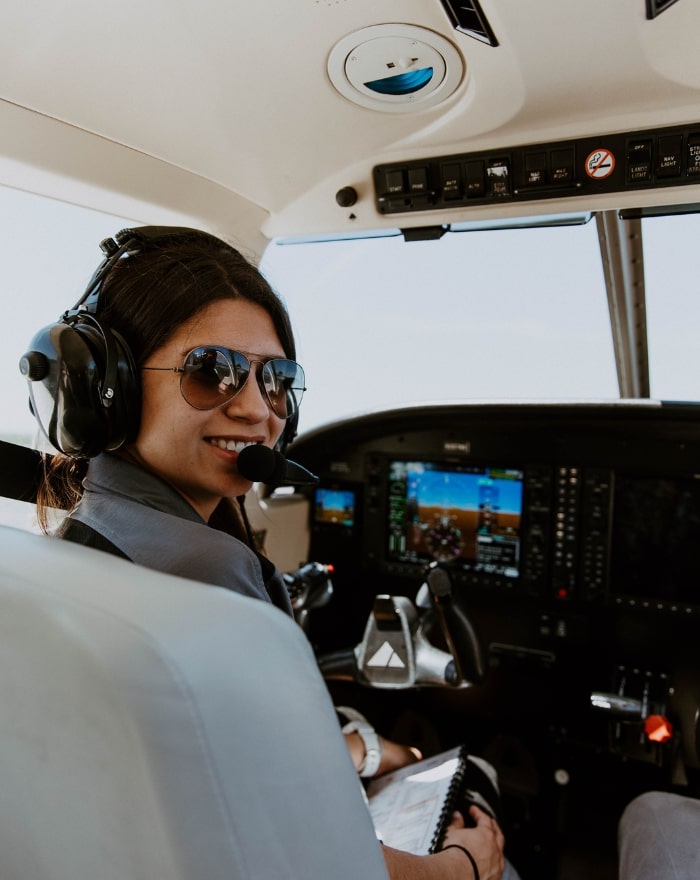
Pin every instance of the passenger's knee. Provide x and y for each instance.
(646, 805)
(657, 837)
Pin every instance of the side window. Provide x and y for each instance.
(47, 252)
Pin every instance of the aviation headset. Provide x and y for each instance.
(84, 385)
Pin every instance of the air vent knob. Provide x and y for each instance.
(346, 197)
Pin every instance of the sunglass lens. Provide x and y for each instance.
(283, 381)
(208, 380)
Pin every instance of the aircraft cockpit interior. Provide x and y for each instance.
(483, 515)
(527, 573)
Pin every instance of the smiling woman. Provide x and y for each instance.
(169, 468)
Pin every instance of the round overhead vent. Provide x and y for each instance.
(395, 68)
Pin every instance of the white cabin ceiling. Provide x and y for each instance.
(235, 97)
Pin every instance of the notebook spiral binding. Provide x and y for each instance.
(474, 782)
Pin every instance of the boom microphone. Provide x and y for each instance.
(264, 465)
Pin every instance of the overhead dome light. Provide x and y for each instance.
(395, 68)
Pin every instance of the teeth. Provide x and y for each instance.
(230, 445)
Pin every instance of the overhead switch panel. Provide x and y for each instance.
(603, 164)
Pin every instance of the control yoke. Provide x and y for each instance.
(395, 651)
(309, 587)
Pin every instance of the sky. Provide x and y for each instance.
(380, 323)
(439, 488)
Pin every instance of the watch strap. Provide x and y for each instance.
(372, 741)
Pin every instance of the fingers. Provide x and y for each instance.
(457, 820)
(485, 841)
(480, 816)
(485, 821)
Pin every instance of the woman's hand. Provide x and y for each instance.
(485, 842)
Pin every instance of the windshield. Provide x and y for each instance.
(673, 305)
(380, 322)
(507, 314)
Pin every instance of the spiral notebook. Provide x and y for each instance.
(412, 807)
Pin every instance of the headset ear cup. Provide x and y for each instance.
(115, 387)
(126, 416)
(61, 371)
(85, 393)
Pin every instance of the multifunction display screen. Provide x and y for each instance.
(468, 515)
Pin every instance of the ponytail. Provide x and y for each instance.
(61, 487)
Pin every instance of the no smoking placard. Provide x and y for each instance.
(600, 164)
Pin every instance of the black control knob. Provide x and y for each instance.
(346, 197)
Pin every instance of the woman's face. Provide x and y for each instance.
(195, 451)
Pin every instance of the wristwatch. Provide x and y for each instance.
(357, 723)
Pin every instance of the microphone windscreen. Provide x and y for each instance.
(261, 464)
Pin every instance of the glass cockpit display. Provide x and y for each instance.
(334, 506)
(471, 516)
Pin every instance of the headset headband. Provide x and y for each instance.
(128, 242)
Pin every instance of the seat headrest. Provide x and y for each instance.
(21, 471)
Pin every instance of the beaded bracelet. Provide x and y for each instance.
(467, 854)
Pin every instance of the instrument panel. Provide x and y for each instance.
(571, 535)
(589, 503)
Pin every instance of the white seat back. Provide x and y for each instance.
(152, 728)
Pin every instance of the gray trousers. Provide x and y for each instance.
(659, 838)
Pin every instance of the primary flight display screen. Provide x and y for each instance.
(468, 515)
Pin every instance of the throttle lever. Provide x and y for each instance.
(459, 634)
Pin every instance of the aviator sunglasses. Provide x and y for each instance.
(212, 375)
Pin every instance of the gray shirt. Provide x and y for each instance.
(155, 527)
